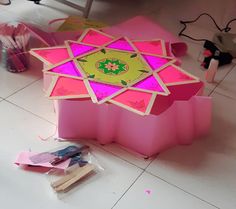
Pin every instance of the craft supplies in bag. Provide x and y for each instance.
(59, 159)
(64, 183)
(81, 167)
(64, 167)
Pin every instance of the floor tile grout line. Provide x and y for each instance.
(29, 112)
(182, 189)
(95, 145)
(227, 96)
(118, 156)
(212, 91)
(128, 189)
(151, 161)
(31, 83)
(22, 18)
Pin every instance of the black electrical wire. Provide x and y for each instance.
(226, 29)
(8, 3)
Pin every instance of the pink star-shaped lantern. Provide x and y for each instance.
(127, 73)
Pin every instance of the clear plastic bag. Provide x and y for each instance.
(81, 168)
(16, 39)
(65, 167)
(69, 180)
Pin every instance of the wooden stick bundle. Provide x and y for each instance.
(64, 183)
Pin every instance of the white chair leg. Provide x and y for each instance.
(87, 8)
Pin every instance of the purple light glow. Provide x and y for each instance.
(79, 49)
(67, 68)
(155, 62)
(150, 83)
(103, 90)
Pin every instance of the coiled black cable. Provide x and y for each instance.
(226, 29)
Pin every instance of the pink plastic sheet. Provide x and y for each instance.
(181, 123)
(175, 119)
(134, 28)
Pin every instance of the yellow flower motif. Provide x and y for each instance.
(111, 66)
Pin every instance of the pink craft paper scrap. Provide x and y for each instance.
(148, 191)
(23, 158)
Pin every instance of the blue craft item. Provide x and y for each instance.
(67, 153)
(78, 160)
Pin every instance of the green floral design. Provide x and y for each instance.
(112, 66)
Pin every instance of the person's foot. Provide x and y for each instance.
(5, 2)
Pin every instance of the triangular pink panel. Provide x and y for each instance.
(79, 49)
(52, 55)
(155, 62)
(103, 90)
(69, 87)
(121, 44)
(96, 38)
(134, 99)
(172, 74)
(67, 68)
(152, 47)
(150, 83)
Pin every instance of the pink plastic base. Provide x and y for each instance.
(183, 122)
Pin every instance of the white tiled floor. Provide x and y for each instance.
(227, 86)
(200, 176)
(207, 168)
(42, 107)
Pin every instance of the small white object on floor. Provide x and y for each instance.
(211, 71)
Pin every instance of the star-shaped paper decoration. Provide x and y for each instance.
(127, 73)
